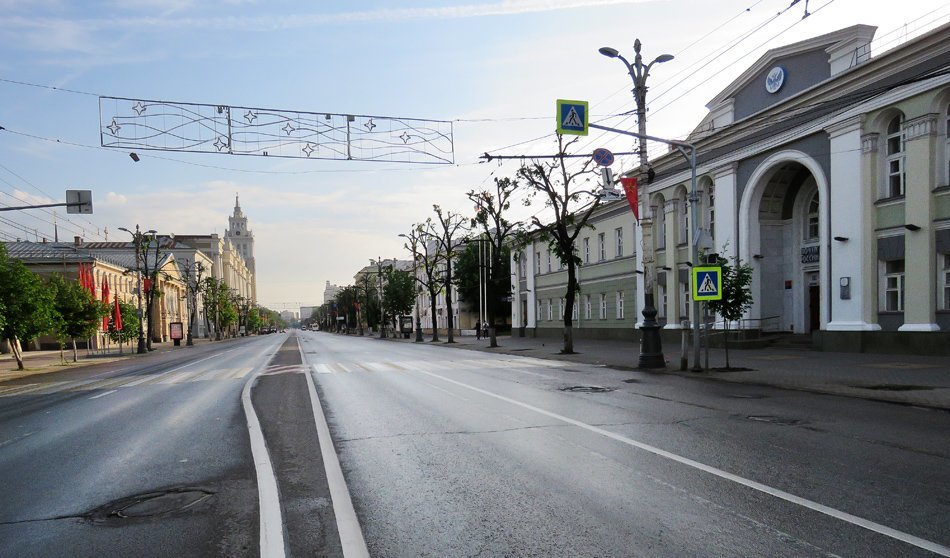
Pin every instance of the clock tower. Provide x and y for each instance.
(242, 241)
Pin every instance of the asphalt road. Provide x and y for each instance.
(453, 453)
(461, 453)
(146, 457)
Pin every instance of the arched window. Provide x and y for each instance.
(896, 174)
(710, 210)
(946, 147)
(683, 220)
(810, 226)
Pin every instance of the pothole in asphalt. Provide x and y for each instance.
(894, 387)
(783, 421)
(151, 504)
(587, 389)
(632, 381)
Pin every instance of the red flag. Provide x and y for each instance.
(117, 314)
(147, 283)
(630, 188)
(105, 299)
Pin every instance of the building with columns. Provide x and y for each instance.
(827, 168)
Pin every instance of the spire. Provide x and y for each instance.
(237, 204)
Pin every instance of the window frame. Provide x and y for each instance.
(586, 249)
(603, 306)
(587, 308)
(601, 247)
(895, 163)
(619, 302)
(898, 277)
(618, 241)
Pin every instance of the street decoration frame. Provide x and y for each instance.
(236, 130)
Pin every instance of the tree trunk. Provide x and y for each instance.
(17, 351)
(450, 319)
(569, 298)
(435, 322)
(75, 351)
(62, 353)
(728, 366)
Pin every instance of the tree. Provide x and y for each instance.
(398, 294)
(149, 244)
(254, 320)
(428, 257)
(450, 227)
(216, 297)
(490, 210)
(557, 185)
(736, 294)
(194, 286)
(77, 314)
(130, 325)
(27, 304)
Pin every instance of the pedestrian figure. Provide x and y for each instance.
(478, 330)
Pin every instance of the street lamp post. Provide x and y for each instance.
(651, 345)
(137, 239)
(414, 247)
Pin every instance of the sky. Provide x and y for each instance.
(493, 69)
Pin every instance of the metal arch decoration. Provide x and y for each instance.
(202, 128)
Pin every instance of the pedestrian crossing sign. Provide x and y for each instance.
(707, 283)
(572, 117)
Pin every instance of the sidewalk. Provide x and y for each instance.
(46, 362)
(908, 379)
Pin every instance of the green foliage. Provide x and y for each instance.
(130, 324)
(27, 302)
(398, 293)
(77, 313)
(736, 290)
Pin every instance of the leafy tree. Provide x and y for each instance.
(736, 294)
(194, 286)
(217, 297)
(347, 300)
(77, 314)
(254, 320)
(447, 232)
(398, 294)
(491, 208)
(27, 304)
(558, 189)
(130, 325)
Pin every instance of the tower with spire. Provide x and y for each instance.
(242, 240)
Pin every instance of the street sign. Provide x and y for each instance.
(603, 157)
(79, 201)
(707, 283)
(572, 117)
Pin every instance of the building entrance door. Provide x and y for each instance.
(814, 307)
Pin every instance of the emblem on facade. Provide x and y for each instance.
(775, 79)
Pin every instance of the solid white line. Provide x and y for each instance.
(103, 394)
(271, 523)
(348, 525)
(433, 386)
(936, 548)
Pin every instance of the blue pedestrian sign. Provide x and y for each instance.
(707, 283)
(572, 117)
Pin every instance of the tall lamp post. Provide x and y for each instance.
(137, 240)
(651, 345)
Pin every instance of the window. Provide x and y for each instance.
(946, 148)
(522, 265)
(560, 308)
(537, 263)
(811, 219)
(895, 158)
(602, 247)
(894, 286)
(618, 236)
(574, 310)
(550, 309)
(659, 228)
(587, 249)
(684, 299)
(619, 302)
(684, 221)
(538, 314)
(587, 306)
(603, 306)
(711, 211)
(945, 275)
(549, 261)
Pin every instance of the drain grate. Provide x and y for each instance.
(587, 389)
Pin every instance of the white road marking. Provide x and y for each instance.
(931, 546)
(103, 394)
(433, 386)
(348, 525)
(271, 523)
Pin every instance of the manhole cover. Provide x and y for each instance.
(587, 389)
(150, 504)
(894, 387)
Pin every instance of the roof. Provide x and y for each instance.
(62, 252)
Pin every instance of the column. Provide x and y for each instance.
(919, 248)
(726, 234)
(851, 198)
(671, 210)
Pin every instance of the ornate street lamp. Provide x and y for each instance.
(137, 239)
(651, 345)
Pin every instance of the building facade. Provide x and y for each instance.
(825, 168)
